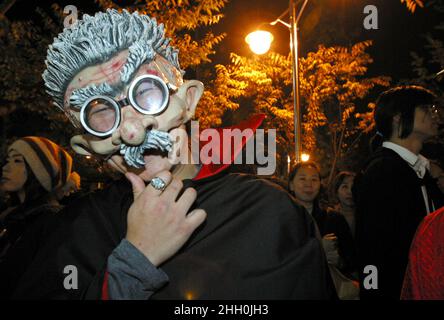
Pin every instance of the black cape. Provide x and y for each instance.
(256, 243)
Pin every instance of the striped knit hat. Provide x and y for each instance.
(49, 162)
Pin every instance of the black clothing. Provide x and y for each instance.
(24, 230)
(390, 205)
(256, 243)
(330, 221)
(21, 219)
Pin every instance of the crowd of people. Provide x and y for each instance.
(177, 230)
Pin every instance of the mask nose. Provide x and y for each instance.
(134, 126)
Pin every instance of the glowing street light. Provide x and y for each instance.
(259, 41)
(305, 157)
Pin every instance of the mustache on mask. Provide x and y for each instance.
(154, 139)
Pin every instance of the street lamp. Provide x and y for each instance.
(293, 27)
(305, 157)
(259, 41)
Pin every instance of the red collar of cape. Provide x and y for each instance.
(211, 169)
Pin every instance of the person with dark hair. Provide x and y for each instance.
(341, 196)
(394, 191)
(342, 220)
(305, 185)
(37, 174)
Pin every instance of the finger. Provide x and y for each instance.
(195, 218)
(172, 191)
(165, 176)
(187, 199)
(136, 182)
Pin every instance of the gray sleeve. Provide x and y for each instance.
(131, 276)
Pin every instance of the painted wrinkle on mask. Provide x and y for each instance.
(109, 72)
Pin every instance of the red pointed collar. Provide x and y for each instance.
(209, 170)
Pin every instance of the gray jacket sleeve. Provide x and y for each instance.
(131, 276)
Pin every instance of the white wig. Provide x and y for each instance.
(94, 40)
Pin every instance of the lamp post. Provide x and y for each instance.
(264, 42)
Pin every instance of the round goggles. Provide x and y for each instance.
(148, 94)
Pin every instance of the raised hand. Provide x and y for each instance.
(158, 224)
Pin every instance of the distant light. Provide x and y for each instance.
(305, 157)
(288, 159)
(259, 41)
(189, 295)
(88, 157)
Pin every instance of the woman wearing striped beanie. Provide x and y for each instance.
(37, 174)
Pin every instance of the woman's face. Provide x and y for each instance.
(14, 173)
(306, 184)
(345, 192)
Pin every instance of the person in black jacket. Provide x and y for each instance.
(37, 173)
(342, 220)
(394, 191)
(175, 229)
(305, 185)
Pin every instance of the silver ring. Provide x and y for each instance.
(158, 184)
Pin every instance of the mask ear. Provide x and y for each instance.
(192, 92)
(80, 145)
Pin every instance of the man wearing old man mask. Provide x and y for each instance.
(176, 230)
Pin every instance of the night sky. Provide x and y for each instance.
(335, 22)
(328, 22)
(332, 22)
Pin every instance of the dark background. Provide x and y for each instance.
(327, 22)
(331, 22)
